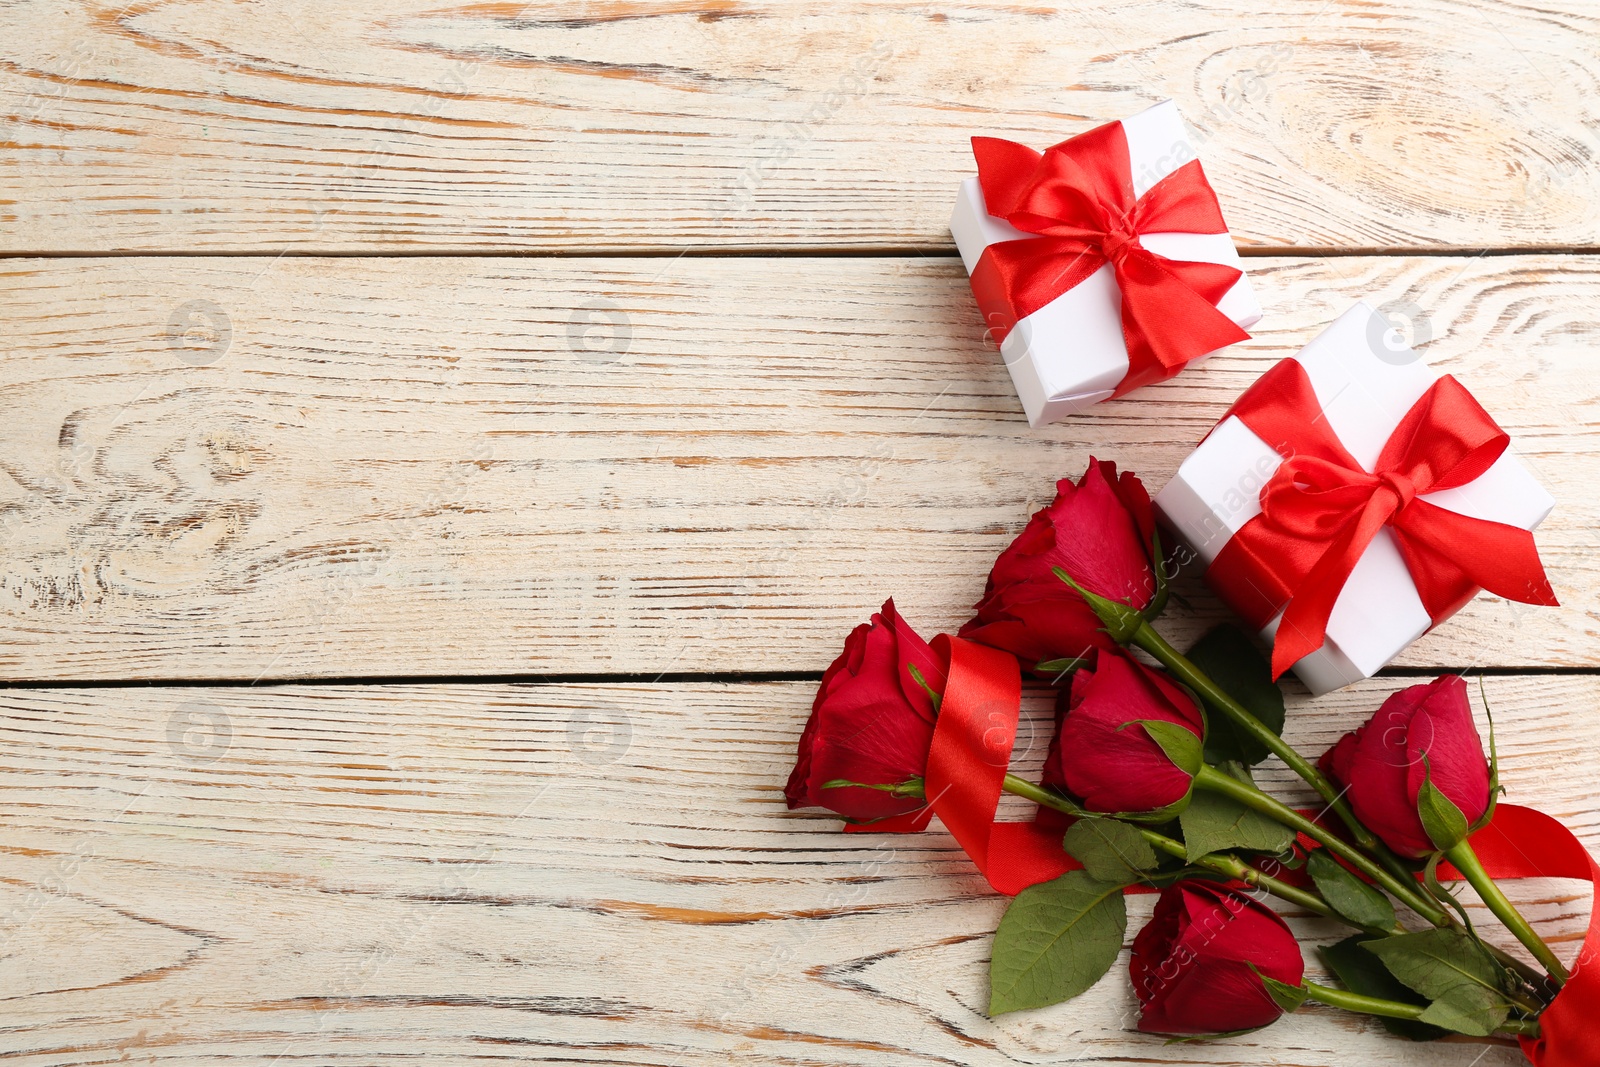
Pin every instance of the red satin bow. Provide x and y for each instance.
(1078, 197)
(1321, 509)
(971, 748)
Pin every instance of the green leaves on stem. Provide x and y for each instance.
(1216, 697)
(1110, 850)
(1215, 781)
(1466, 861)
(1216, 823)
(1229, 657)
(1056, 940)
(1347, 894)
(1462, 982)
(1421, 986)
(1362, 973)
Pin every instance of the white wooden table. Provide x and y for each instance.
(444, 443)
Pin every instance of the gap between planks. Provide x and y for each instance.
(931, 251)
(645, 678)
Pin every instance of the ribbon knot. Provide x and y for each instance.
(1118, 243)
(1321, 509)
(1403, 488)
(1077, 199)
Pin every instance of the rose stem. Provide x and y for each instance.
(1466, 861)
(1147, 638)
(1393, 1009)
(1215, 781)
(1229, 866)
(1238, 870)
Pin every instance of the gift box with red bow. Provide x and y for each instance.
(1352, 499)
(1101, 264)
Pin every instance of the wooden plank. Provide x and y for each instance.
(424, 125)
(572, 873)
(446, 466)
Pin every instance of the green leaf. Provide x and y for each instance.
(1287, 997)
(1347, 894)
(1110, 851)
(1361, 972)
(1056, 940)
(1445, 823)
(1215, 823)
(1180, 744)
(1454, 972)
(1229, 656)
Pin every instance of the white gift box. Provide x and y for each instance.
(1071, 353)
(1365, 382)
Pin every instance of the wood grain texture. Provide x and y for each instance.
(156, 125)
(439, 466)
(570, 874)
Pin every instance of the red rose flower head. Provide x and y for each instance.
(1195, 965)
(1424, 733)
(1103, 755)
(1101, 531)
(871, 723)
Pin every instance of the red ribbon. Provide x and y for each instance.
(1321, 509)
(967, 762)
(1078, 197)
(1523, 843)
(971, 748)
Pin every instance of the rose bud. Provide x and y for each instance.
(1195, 964)
(871, 724)
(1100, 531)
(1101, 753)
(1424, 733)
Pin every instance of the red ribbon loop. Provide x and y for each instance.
(1078, 198)
(1321, 509)
(967, 762)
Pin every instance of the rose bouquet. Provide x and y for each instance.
(1148, 787)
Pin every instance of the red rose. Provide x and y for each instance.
(1192, 963)
(1102, 756)
(1101, 531)
(870, 723)
(1421, 732)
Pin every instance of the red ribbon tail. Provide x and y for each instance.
(1170, 316)
(967, 763)
(1503, 559)
(972, 741)
(1304, 627)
